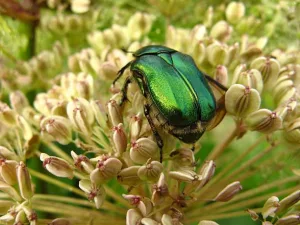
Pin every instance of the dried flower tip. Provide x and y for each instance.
(57, 166)
(235, 11)
(263, 120)
(143, 149)
(253, 214)
(119, 139)
(139, 24)
(7, 115)
(207, 222)
(114, 112)
(270, 207)
(10, 191)
(80, 114)
(185, 175)
(241, 101)
(8, 171)
(217, 54)
(289, 220)
(94, 192)
(18, 101)
(60, 221)
(133, 217)
(289, 201)
(221, 31)
(183, 157)
(106, 169)
(207, 171)
(151, 171)
(128, 176)
(269, 69)
(82, 163)
(24, 181)
(229, 192)
(221, 75)
(58, 127)
(135, 127)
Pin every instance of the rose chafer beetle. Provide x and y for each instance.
(178, 97)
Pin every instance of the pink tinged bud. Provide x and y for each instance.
(128, 176)
(133, 217)
(133, 199)
(94, 192)
(58, 127)
(289, 220)
(60, 221)
(143, 149)
(221, 75)
(10, 191)
(57, 166)
(160, 190)
(106, 169)
(8, 171)
(119, 139)
(82, 163)
(270, 207)
(151, 171)
(253, 214)
(108, 71)
(207, 171)
(143, 204)
(289, 201)
(135, 127)
(228, 192)
(24, 181)
(114, 113)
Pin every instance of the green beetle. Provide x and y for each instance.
(178, 96)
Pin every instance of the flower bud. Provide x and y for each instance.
(60, 221)
(151, 171)
(235, 11)
(7, 115)
(263, 120)
(291, 132)
(99, 112)
(58, 127)
(251, 78)
(20, 218)
(114, 112)
(106, 169)
(270, 207)
(207, 171)
(160, 190)
(139, 24)
(135, 127)
(207, 222)
(24, 181)
(25, 127)
(108, 71)
(85, 86)
(133, 217)
(221, 75)
(10, 191)
(95, 193)
(80, 114)
(237, 71)
(128, 176)
(143, 149)
(199, 52)
(292, 219)
(283, 91)
(289, 201)
(216, 54)
(57, 166)
(241, 101)
(119, 139)
(82, 162)
(183, 157)
(221, 31)
(185, 175)
(228, 192)
(208, 16)
(6, 154)
(253, 214)
(8, 171)
(269, 69)
(18, 101)
(80, 6)
(148, 221)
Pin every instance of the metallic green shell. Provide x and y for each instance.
(177, 87)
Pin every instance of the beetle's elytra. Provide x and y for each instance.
(178, 96)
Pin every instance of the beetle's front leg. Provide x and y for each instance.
(124, 90)
(159, 140)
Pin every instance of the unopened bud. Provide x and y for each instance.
(216, 54)
(221, 75)
(58, 127)
(235, 11)
(7, 115)
(60, 221)
(80, 6)
(151, 171)
(270, 207)
(251, 78)
(20, 218)
(119, 139)
(289, 220)
(135, 127)
(263, 120)
(221, 31)
(183, 157)
(284, 90)
(18, 101)
(207, 171)
(26, 128)
(129, 176)
(99, 112)
(253, 214)
(139, 24)
(10, 191)
(57, 166)
(241, 101)
(114, 113)
(228, 192)
(108, 70)
(143, 149)
(80, 114)
(160, 190)
(82, 162)
(185, 175)
(207, 222)
(133, 217)
(237, 71)
(24, 181)
(199, 52)
(289, 201)
(292, 131)
(106, 168)
(8, 171)
(6, 153)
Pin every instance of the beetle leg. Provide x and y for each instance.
(120, 73)
(124, 90)
(159, 140)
